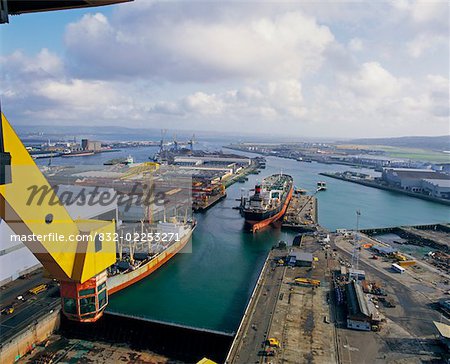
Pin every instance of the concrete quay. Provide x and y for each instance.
(297, 316)
(301, 213)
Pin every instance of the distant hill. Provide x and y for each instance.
(438, 143)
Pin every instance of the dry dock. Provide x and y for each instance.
(301, 213)
(298, 316)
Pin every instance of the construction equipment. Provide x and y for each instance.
(78, 258)
(38, 289)
(308, 281)
(407, 263)
(400, 257)
(273, 342)
(8, 310)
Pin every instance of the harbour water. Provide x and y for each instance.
(209, 288)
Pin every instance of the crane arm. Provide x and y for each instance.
(72, 251)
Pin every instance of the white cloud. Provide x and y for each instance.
(373, 81)
(355, 45)
(424, 43)
(203, 104)
(308, 69)
(287, 45)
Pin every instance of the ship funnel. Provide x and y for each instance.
(257, 189)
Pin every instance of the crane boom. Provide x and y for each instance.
(76, 252)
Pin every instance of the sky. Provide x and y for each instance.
(291, 68)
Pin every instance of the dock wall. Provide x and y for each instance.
(177, 342)
(244, 322)
(388, 188)
(414, 237)
(24, 341)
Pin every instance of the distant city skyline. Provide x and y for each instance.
(328, 69)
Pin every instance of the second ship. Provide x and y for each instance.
(138, 259)
(269, 202)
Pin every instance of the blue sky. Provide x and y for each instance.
(32, 32)
(310, 69)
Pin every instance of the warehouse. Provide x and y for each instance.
(411, 179)
(437, 188)
(383, 250)
(359, 316)
(301, 259)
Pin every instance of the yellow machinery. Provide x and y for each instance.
(76, 253)
(38, 289)
(206, 361)
(400, 257)
(312, 282)
(273, 342)
(407, 263)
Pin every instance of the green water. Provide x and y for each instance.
(210, 287)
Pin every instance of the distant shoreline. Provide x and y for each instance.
(388, 188)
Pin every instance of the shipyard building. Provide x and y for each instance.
(426, 181)
(361, 314)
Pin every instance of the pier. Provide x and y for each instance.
(301, 213)
(387, 188)
(293, 315)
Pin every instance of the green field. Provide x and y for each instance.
(410, 153)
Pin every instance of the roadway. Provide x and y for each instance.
(28, 310)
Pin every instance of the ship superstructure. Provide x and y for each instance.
(269, 201)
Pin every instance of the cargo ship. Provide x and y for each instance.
(133, 264)
(79, 153)
(269, 202)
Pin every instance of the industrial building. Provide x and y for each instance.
(300, 259)
(359, 315)
(383, 250)
(442, 167)
(437, 187)
(212, 159)
(357, 274)
(214, 167)
(425, 181)
(91, 145)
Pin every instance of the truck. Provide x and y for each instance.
(38, 289)
(8, 310)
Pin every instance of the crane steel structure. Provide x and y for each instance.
(75, 252)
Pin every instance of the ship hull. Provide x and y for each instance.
(257, 220)
(73, 155)
(120, 281)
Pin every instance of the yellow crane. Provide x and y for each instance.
(75, 252)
